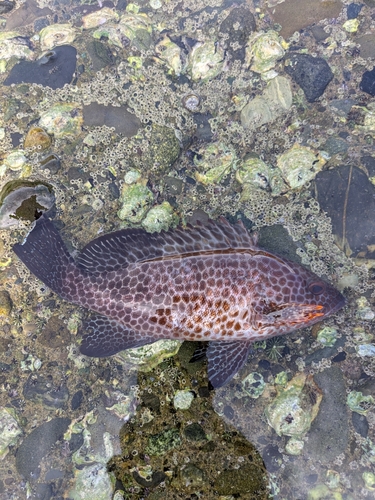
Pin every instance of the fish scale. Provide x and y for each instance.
(207, 283)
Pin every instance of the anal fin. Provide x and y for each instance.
(103, 337)
(225, 359)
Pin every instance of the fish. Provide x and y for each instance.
(200, 283)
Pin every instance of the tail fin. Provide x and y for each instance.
(46, 255)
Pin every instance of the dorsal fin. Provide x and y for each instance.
(119, 249)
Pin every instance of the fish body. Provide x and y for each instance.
(207, 283)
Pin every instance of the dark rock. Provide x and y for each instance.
(312, 74)
(360, 424)
(76, 400)
(335, 145)
(52, 163)
(194, 432)
(329, 433)
(203, 130)
(340, 357)
(174, 185)
(245, 21)
(342, 106)
(120, 118)
(272, 458)
(348, 197)
(368, 82)
(369, 163)
(6, 7)
(40, 24)
(43, 492)
(41, 389)
(26, 14)
(366, 45)
(319, 33)
(76, 441)
(100, 55)
(54, 69)
(353, 9)
(37, 445)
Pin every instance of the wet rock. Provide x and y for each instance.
(203, 130)
(360, 424)
(37, 138)
(342, 106)
(100, 55)
(164, 149)
(312, 74)
(353, 9)
(366, 45)
(41, 389)
(118, 117)
(335, 145)
(245, 480)
(348, 197)
(243, 19)
(55, 333)
(195, 432)
(319, 33)
(54, 69)
(368, 82)
(37, 445)
(329, 433)
(26, 14)
(294, 15)
(5, 303)
(76, 400)
(52, 163)
(6, 7)
(192, 476)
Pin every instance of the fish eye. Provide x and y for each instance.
(316, 288)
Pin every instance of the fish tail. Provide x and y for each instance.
(46, 256)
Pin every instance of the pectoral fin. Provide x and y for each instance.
(225, 359)
(104, 337)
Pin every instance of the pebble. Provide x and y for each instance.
(368, 82)
(353, 9)
(5, 303)
(37, 445)
(312, 74)
(54, 69)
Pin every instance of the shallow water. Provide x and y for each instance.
(160, 112)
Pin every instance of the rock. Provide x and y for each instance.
(39, 388)
(6, 7)
(5, 303)
(54, 69)
(195, 432)
(368, 82)
(348, 197)
(335, 145)
(329, 433)
(37, 138)
(245, 480)
(118, 117)
(366, 45)
(312, 74)
(37, 445)
(26, 14)
(294, 15)
(353, 9)
(360, 424)
(245, 25)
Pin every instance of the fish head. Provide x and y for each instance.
(295, 298)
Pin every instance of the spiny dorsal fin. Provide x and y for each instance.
(119, 249)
